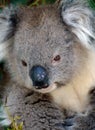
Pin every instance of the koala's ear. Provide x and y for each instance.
(80, 20)
(8, 21)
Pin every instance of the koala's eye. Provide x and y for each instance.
(23, 63)
(57, 58)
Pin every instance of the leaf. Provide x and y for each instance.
(15, 125)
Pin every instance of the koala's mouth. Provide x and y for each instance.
(42, 87)
(46, 88)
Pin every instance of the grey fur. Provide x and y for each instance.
(39, 36)
(36, 111)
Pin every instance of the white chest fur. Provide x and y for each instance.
(74, 96)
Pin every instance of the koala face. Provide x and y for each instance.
(45, 52)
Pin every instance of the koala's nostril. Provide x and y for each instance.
(39, 76)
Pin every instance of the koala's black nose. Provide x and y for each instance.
(39, 77)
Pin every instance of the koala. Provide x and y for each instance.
(50, 55)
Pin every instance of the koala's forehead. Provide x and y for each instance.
(41, 28)
(35, 16)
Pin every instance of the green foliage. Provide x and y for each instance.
(92, 3)
(5, 118)
(40, 2)
(15, 125)
(25, 2)
(32, 2)
(20, 2)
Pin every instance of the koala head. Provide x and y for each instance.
(48, 44)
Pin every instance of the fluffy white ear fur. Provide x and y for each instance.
(6, 30)
(5, 48)
(3, 32)
(78, 19)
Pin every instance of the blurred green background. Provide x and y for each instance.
(25, 2)
(32, 1)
